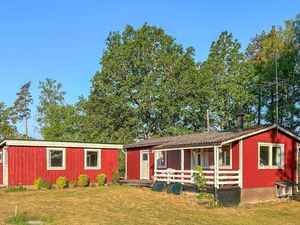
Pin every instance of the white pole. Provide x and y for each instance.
(155, 165)
(216, 169)
(182, 165)
(241, 163)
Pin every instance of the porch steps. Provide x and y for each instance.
(137, 183)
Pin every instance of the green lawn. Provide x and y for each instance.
(121, 204)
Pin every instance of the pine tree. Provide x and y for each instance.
(21, 105)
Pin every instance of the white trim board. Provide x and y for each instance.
(59, 144)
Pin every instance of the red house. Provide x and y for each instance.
(260, 161)
(21, 161)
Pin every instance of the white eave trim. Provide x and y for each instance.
(60, 144)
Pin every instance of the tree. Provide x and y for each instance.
(62, 123)
(278, 46)
(7, 127)
(21, 105)
(227, 80)
(140, 90)
(50, 94)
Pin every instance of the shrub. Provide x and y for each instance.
(72, 184)
(199, 178)
(83, 180)
(114, 177)
(15, 189)
(101, 179)
(61, 182)
(40, 183)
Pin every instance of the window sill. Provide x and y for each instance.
(92, 168)
(271, 167)
(56, 168)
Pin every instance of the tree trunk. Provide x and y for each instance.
(26, 127)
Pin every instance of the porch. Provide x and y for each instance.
(177, 165)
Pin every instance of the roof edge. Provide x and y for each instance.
(42, 143)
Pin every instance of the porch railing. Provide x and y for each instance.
(222, 178)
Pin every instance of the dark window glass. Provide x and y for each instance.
(145, 157)
(91, 159)
(56, 158)
(264, 155)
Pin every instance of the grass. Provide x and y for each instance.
(128, 205)
(23, 219)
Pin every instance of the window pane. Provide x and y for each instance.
(91, 159)
(162, 159)
(224, 156)
(0, 157)
(264, 155)
(277, 156)
(56, 158)
(145, 156)
(199, 159)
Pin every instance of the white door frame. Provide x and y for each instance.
(141, 160)
(5, 165)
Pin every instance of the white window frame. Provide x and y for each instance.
(271, 145)
(159, 166)
(98, 167)
(63, 167)
(230, 155)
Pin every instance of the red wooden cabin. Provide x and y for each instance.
(21, 161)
(252, 159)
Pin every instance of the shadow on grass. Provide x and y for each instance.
(24, 219)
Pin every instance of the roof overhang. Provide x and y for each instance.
(59, 144)
(296, 137)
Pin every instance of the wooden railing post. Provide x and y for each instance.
(182, 165)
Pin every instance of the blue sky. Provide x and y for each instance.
(64, 40)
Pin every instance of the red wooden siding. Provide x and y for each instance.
(28, 163)
(133, 163)
(254, 177)
(235, 155)
(1, 171)
(174, 159)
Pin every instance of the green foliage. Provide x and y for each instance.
(50, 94)
(121, 163)
(281, 45)
(40, 183)
(83, 180)
(62, 123)
(101, 179)
(140, 88)
(7, 127)
(21, 105)
(199, 178)
(213, 202)
(15, 189)
(115, 176)
(23, 219)
(61, 182)
(72, 184)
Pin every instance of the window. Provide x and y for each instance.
(204, 157)
(1, 157)
(92, 159)
(56, 159)
(225, 156)
(162, 159)
(271, 156)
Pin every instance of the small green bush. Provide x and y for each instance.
(40, 183)
(83, 180)
(72, 184)
(15, 189)
(61, 182)
(101, 179)
(115, 176)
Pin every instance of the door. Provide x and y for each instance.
(144, 165)
(5, 166)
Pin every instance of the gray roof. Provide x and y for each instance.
(203, 138)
